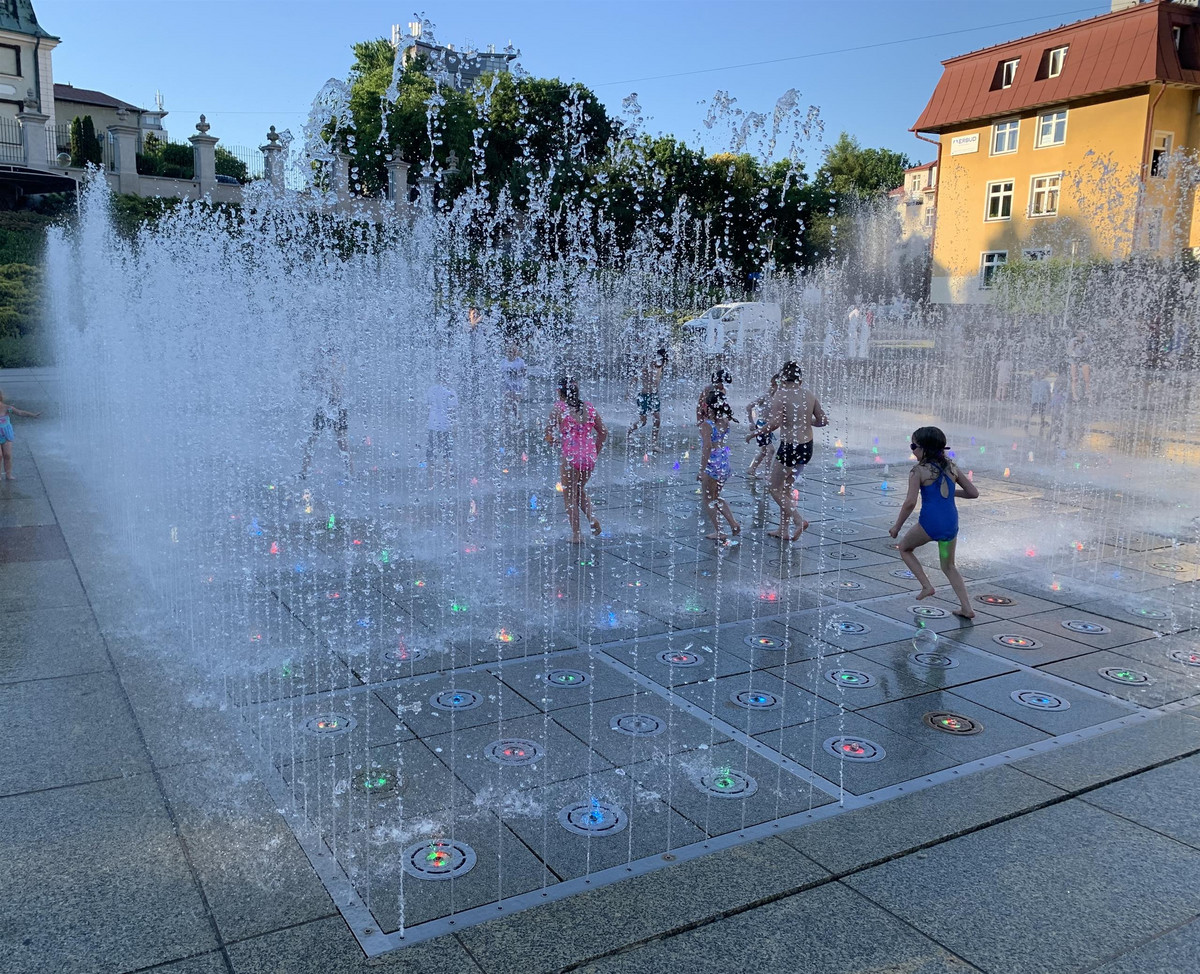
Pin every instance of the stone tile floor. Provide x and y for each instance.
(139, 836)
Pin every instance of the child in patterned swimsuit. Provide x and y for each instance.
(937, 481)
(714, 462)
(582, 433)
(7, 410)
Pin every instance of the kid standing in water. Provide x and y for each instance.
(934, 478)
(7, 411)
(582, 433)
(714, 463)
(756, 414)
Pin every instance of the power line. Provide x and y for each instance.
(842, 50)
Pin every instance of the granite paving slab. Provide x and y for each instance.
(764, 701)
(851, 586)
(892, 828)
(653, 828)
(903, 758)
(1058, 876)
(593, 724)
(1179, 652)
(412, 701)
(1160, 615)
(64, 905)
(927, 660)
(566, 680)
(1083, 709)
(680, 658)
(1000, 733)
(1022, 644)
(848, 627)
(806, 929)
(1165, 799)
(65, 731)
(1174, 950)
(1088, 629)
(932, 613)
(1164, 686)
(48, 643)
(26, 585)
(716, 882)
(852, 681)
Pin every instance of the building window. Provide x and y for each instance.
(1008, 72)
(10, 60)
(916, 184)
(929, 218)
(1035, 253)
(1177, 37)
(999, 200)
(1052, 129)
(1160, 153)
(989, 262)
(1043, 195)
(1054, 63)
(1004, 137)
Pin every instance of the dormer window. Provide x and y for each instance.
(1008, 72)
(1177, 37)
(1054, 62)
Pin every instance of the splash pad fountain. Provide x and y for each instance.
(462, 715)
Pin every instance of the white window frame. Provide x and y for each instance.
(916, 184)
(987, 200)
(1036, 253)
(1000, 258)
(930, 216)
(1059, 54)
(1177, 37)
(1160, 170)
(1015, 133)
(1033, 191)
(1008, 72)
(1038, 142)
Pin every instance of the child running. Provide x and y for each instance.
(582, 433)
(7, 411)
(934, 478)
(756, 414)
(794, 411)
(714, 463)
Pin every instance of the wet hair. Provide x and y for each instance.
(721, 377)
(932, 442)
(791, 372)
(718, 405)
(568, 391)
(662, 355)
(775, 379)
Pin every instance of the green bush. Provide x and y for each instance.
(22, 352)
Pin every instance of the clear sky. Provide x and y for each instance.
(868, 65)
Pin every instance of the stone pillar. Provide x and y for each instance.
(425, 187)
(340, 176)
(397, 170)
(273, 160)
(125, 143)
(204, 156)
(33, 136)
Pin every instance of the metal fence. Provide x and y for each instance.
(109, 147)
(58, 139)
(11, 149)
(253, 158)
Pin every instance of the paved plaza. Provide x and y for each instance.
(777, 759)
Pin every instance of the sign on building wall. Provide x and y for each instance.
(961, 145)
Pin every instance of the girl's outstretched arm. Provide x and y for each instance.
(966, 488)
(818, 414)
(910, 500)
(550, 424)
(22, 412)
(601, 433)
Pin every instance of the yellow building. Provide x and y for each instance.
(1071, 142)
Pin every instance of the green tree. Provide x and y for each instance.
(230, 165)
(77, 142)
(92, 152)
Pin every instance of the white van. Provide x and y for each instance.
(732, 325)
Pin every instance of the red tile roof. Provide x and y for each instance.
(1123, 49)
(922, 167)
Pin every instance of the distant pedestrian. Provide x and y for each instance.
(582, 434)
(936, 481)
(7, 411)
(1039, 400)
(326, 378)
(1079, 355)
(443, 407)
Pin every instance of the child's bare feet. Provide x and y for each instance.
(715, 536)
(778, 533)
(596, 526)
(965, 613)
(799, 531)
(577, 539)
(735, 527)
(927, 591)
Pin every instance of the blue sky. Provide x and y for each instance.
(248, 64)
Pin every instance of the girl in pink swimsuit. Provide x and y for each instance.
(582, 434)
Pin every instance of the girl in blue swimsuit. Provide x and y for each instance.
(937, 481)
(714, 462)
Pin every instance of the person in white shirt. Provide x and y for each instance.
(443, 403)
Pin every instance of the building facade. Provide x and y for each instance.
(26, 68)
(914, 201)
(1072, 142)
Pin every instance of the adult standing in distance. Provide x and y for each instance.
(794, 411)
